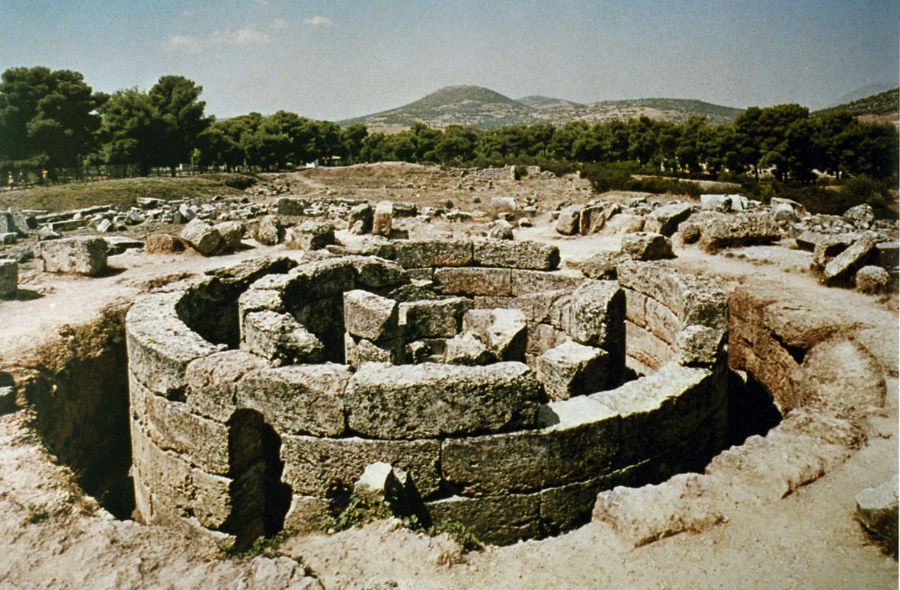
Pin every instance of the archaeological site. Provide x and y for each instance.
(402, 376)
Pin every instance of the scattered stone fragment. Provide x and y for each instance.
(163, 244)
(359, 220)
(468, 348)
(501, 230)
(861, 216)
(572, 369)
(647, 246)
(279, 337)
(665, 219)
(876, 511)
(9, 277)
(593, 217)
(370, 316)
(289, 206)
(270, 231)
(119, 244)
(46, 234)
(86, 256)
(568, 221)
(845, 264)
(309, 235)
(383, 219)
(872, 279)
(202, 237)
(232, 233)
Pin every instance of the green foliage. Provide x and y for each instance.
(619, 176)
(460, 533)
(878, 104)
(520, 172)
(359, 511)
(261, 546)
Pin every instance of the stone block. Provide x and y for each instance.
(700, 346)
(370, 316)
(438, 318)
(876, 510)
(212, 382)
(597, 318)
(525, 255)
(504, 331)
(382, 483)
(279, 337)
(359, 219)
(594, 217)
(86, 256)
(232, 233)
(323, 467)
(872, 279)
(319, 280)
(580, 442)
(309, 235)
(572, 369)
(307, 514)
(647, 246)
(382, 219)
(469, 349)
(495, 282)
(377, 273)
(433, 253)
(501, 520)
(569, 220)
(665, 220)
(360, 350)
(526, 282)
(430, 400)
(845, 264)
(202, 237)
(291, 206)
(270, 231)
(298, 399)
(9, 277)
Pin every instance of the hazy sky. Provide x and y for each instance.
(333, 59)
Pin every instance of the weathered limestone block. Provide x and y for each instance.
(597, 318)
(86, 256)
(270, 231)
(232, 233)
(377, 273)
(862, 216)
(700, 346)
(504, 331)
(160, 345)
(309, 235)
(439, 318)
(872, 279)
(254, 300)
(360, 350)
(316, 466)
(473, 281)
(307, 514)
(319, 280)
(845, 264)
(661, 320)
(279, 337)
(291, 206)
(841, 374)
(202, 237)
(600, 266)
(745, 229)
(515, 254)
(647, 246)
(658, 410)
(501, 230)
(572, 369)
(9, 277)
(876, 510)
(369, 316)
(359, 220)
(594, 217)
(543, 337)
(469, 349)
(501, 520)
(213, 381)
(581, 443)
(665, 219)
(433, 253)
(569, 220)
(416, 290)
(298, 399)
(646, 349)
(429, 400)
(888, 256)
(525, 282)
(383, 219)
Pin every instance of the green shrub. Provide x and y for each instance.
(459, 533)
(619, 176)
(239, 181)
(520, 172)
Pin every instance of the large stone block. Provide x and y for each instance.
(213, 381)
(468, 348)
(438, 318)
(594, 217)
(433, 253)
(527, 282)
(202, 237)
(665, 219)
(9, 277)
(280, 338)
(270, 231)
(516, 254)
(360, 350)
(572, 369)
(369, 316)
(307, 514)
(86, 256)
(291, 206)
(843, 266)
(597, 318)
(377, 273)
(430, 400)
(581, 443)
(382, 218)
(496, 282)
(501, 520)
(647, 246)
(503, 330)
(325, 467)
(568, 221)
(298, 399)
(359, 219)
(320, 279)
(309, 235)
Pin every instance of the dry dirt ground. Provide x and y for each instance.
(786, 500)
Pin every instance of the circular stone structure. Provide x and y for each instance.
(510, 392)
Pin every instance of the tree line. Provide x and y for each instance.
(53, 119)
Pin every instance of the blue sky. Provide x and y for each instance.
(337, 59)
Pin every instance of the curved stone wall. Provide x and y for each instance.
(266, 415)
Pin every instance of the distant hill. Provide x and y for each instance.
(862, 92)
(883, 107)
(483, 108)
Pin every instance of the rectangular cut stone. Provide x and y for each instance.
(543, 337)
(644, 347)
(370, 316)
(212, 382)
(581, 445)
(525, 282)
(473, 281)
(501, 520)
(567, 507)
(664, 324)
(307, 514)
(322, 466)
(279, 337)
(597, 318)
(636, 307)
(434, 399)
(320, 279)
(9, 277)
(516, 254)
(433, 253)
(86, 256)
(357, 352)
(297, 399)
(572, 369)
(439, 318)
(420, 274)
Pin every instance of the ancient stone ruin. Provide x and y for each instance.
(510, 393)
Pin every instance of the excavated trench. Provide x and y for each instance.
(80, 390)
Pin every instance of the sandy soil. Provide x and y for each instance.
(52, 536)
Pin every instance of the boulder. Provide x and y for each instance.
(664, 220)
(844, 265)
(359, 220)
(647, 246)
(745, 229)
(383, 219)
(876, 511)
(202, 237)
(291, 206)
(501, 230)
(568, 221)
(9, 277)
(593, 217)
(86, 256)
(861, 216)
(232, 233)
(163, 244)
(270, 231)
(309, 235)
(572, 369)
(872, 279)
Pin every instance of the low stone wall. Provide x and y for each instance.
(245, 435)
